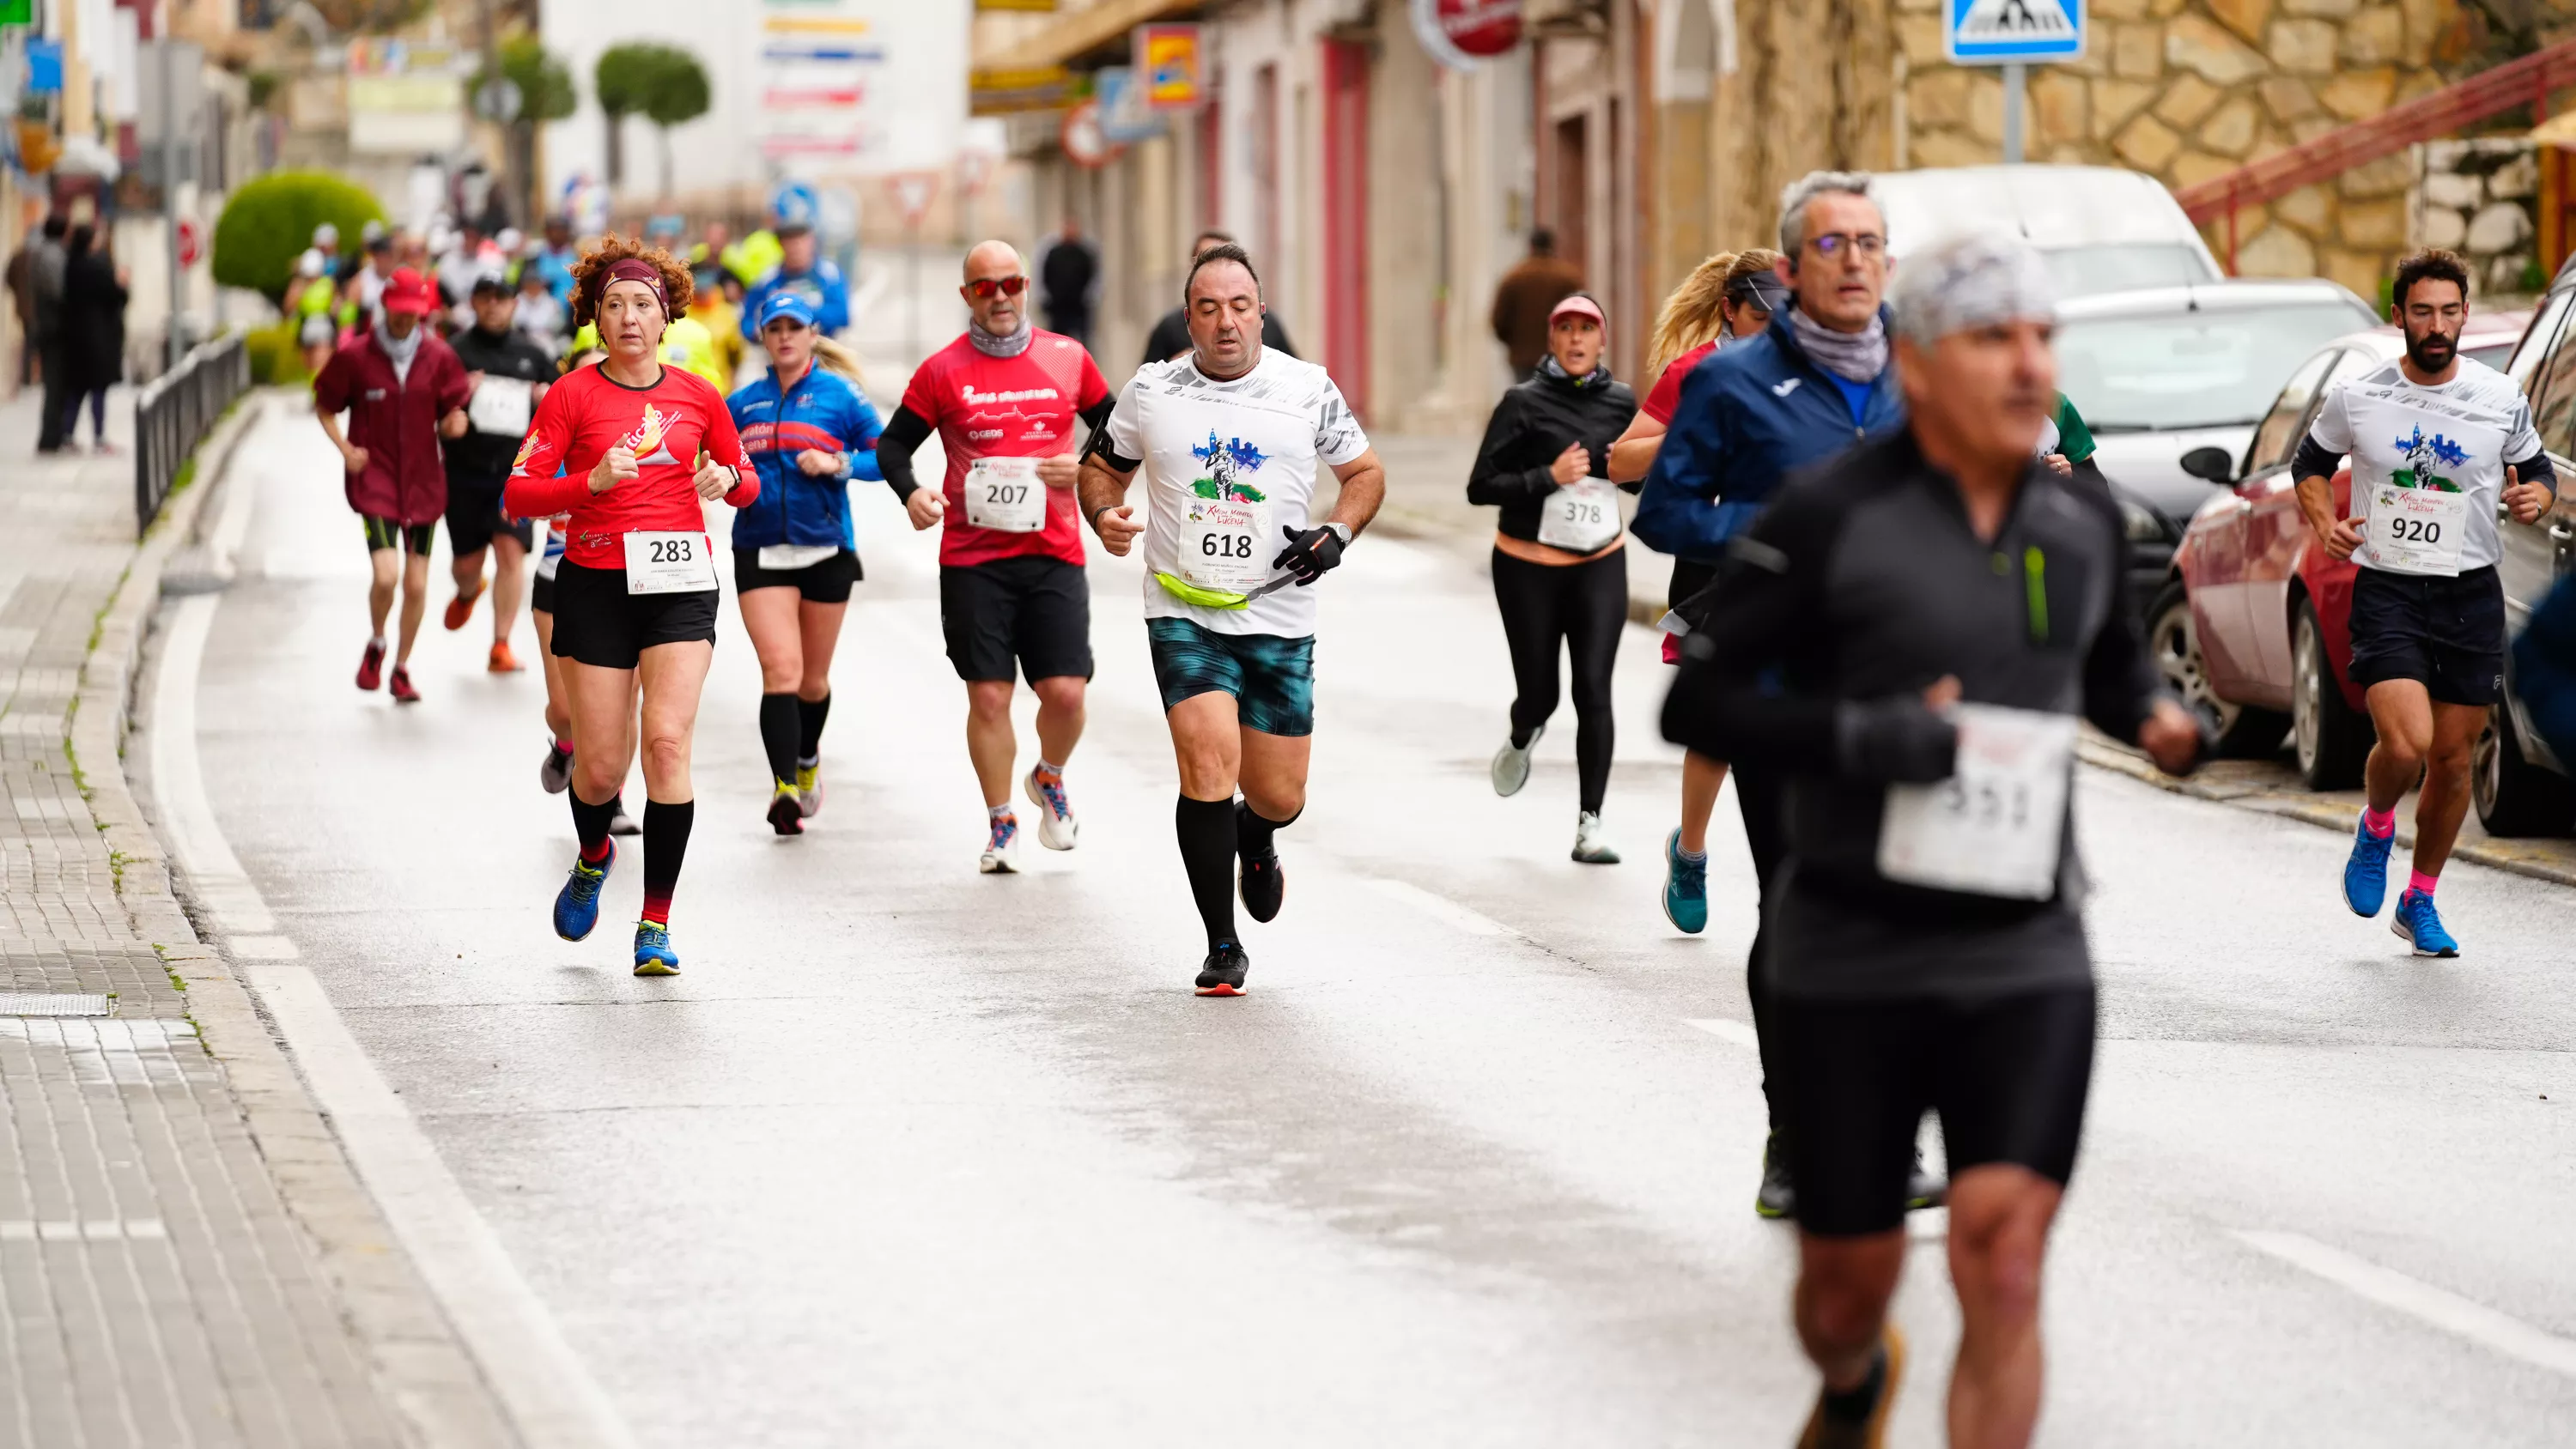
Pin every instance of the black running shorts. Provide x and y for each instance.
(2008, 1074)
(541, 594)
(1029, 608)
(598, 623)
(386, 533)
(825, 581)
(2447, 634)
(474, 517)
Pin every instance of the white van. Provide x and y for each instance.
(2101, 228)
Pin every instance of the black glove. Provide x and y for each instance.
(1899, 740)
(1309, 555)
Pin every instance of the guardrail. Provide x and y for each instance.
(173, 412)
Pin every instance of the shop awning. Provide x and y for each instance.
(1102, 28)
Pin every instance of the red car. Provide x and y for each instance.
(2253, 631)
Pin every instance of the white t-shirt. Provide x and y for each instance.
(2456, 438)
(1240, 453)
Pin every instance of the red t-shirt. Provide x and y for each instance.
(1668, 388)
(1006, 407)
(667, 424)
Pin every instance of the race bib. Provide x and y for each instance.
(786, 557)
(2417, 530)
(1224, 544)
(1581, 517)
(669, 563)
(1004, 494)
(502, 405)
(1995, 826)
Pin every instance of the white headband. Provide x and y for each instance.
(1969, 281)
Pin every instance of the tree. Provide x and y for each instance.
(662, 83)
(546, 93)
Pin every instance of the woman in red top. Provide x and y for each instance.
(635, 593)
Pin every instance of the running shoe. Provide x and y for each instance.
(653, 953)
(502, 660)
(1922, 1188)
(1685, 889)
(1777, 1197)
(1002, 852)
(1222, 973)
(786, 812)
(1512, 764)
(1858, 1420)
(1259, 879)
(555, 773)
(809, 790)
(1056, 825)
(2421, 925)
(2365, 876)
(1592, 843)
(399, 686)
(371, 665)
(622, 823)
(461, 608)
(577, 904)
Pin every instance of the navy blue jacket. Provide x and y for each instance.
(823, 410)
(824, 289)
(1750, 414)
(2544, 669)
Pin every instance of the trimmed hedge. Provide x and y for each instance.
(269, 222)
(275, 355)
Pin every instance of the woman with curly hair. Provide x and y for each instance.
(635, 591)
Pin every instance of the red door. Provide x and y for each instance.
(1345, 220)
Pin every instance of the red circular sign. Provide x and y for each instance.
(189, 242)
(1481, 27)
(1085, 145)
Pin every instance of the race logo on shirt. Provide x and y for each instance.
(647, 437)
(527, 450)
(1228, 465)
(2423, 455)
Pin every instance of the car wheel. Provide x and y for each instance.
(2514, 796)
(2332, 739)
(2174, 641)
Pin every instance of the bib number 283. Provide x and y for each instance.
(668, 563)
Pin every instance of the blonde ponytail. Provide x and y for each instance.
(1696, 311)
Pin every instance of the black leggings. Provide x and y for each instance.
(1585, 605)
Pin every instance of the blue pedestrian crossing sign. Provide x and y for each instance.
(2011, 32)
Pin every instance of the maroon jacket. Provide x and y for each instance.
(396, 423)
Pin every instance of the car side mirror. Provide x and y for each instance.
(2214, 465)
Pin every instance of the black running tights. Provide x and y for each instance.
(1583, 606)
(1764, 799)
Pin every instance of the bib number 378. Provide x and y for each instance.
(669, 563)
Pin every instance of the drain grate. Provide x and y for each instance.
(46, 1003)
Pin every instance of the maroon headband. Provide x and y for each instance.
(632, 269)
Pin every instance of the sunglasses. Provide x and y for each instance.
(983, 288)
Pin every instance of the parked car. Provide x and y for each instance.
(2256, 629)
(2162, 371)
(2101, 229)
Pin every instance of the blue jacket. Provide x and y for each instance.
(2544, 669)
(824, 289)
(1749, 415)
(824, 410)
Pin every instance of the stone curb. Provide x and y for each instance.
(420, 1367)
(2330, 815)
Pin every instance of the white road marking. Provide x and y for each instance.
(547, 1390)
(95, 1230)
(1441, 908)
(2446, 1310)
(1725, 1029)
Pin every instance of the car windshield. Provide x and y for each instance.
(2087, 271)
(2204, 369)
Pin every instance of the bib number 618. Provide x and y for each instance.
(1225, 545)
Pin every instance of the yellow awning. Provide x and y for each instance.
(1070, 37)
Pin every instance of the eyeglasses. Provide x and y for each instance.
(983, 288)
(1831, 244)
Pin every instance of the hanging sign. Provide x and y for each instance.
(1084, 145)
(1169, 67)
(1459, 33)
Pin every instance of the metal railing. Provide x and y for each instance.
(172, 413)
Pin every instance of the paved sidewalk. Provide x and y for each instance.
(155, 1287)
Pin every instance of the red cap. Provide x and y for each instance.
(1578, 305)
(408, 291)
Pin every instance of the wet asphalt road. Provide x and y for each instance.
(913, 1156)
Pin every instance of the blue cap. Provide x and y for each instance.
(784, 303)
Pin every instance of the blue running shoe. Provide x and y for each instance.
(1685, 888)
(577, 904)
(2421, 925)
(653, 953)
(2365, 876)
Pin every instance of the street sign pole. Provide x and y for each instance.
(173, 348)
(2016, 86)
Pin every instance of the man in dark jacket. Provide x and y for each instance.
(508, 374)
(403, 390)
(1525, 296)
(1069, 282)
(1171, 336)
(46, 271)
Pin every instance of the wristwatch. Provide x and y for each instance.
(1341, 531)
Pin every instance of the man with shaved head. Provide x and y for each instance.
(1006, 398)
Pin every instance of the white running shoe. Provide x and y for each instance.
(1512, 763)
(1591, 842)
(1056, 825)
(556, 773)
(1002, 852)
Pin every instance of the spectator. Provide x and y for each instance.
(93, 333)
(1069, 282)
(45, 286)
(1524, 298)
(22, 296)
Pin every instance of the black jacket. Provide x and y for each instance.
(1537, 417)
(1171, 337)
(93, 321)
(479, 457)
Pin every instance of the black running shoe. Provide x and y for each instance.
(1778, 1195)
(1222, 974)
(1858, 1419)
(1262, 884)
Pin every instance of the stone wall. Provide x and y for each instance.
(2481, 199)
(2185, 90)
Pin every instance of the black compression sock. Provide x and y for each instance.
(1207, 834)
(590, 823)
(810, 714)
(1854, 1406)
(778, 734)
(666, 844)
(1253, 830)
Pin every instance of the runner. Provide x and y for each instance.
(1171, 335)
(1005, 398)
(2440, 444)
(816, 279)
(403, 390)
(1560, 563)
(555, 771)
(809, 431)
(509, 375)
(1929, 610)
(1228, 438)
(635, 593)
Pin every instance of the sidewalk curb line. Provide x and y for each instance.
(2309, 810)
(436, 1392)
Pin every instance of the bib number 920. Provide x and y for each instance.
(1214, 544)
(2415, 530)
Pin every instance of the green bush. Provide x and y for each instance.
(269, 222)
(275, 357)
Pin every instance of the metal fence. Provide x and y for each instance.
(172, 413)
